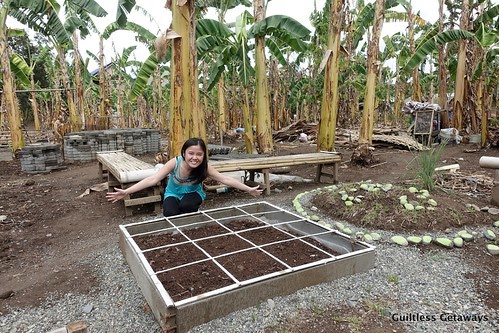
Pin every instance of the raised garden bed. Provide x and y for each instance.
(196, 267)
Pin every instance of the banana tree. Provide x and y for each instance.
(9, 88)
(356, 31)
(42, 56)
(488, 42)
(366, 129)
(186, 117)
(458, 107)
(396, 47)
(29, 13)
(433, 40)
(43, 16)
(262, 100)
(330, 94)
(229, 51)
(151, 73)
(222, 7)
(412, 19)
(442, 71)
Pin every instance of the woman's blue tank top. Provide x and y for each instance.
(177, 187)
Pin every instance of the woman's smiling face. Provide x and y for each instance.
(194, 155)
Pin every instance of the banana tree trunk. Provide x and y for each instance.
(285, 116)
(366, 128)
(263, 121)
(249, 140)
(3, 122)
(58, 113)
(482, 103)
(417, 94)
(442, 71)
(103, 93)
(120, 104)
(80, 95)
(186, 119)
(156, 98)
(222, 124)
(330, 96)
(459, 94)
(210, 112)
(397, 105)
(9, 88)
(162, 110)
(60, 124)
(274, 88)
(74, 118)
(34, 104)
(353, 104)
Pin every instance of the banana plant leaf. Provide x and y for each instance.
(88, 6)
(122, 11)
(20, 69)
(143, 35)
(285, 28)
(431, 45)
(146, 71)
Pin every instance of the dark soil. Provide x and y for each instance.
(237, 253)
(384, 211)
(48, 229)
(192, 280)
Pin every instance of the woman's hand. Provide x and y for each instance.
(116, 196)
(255, 191)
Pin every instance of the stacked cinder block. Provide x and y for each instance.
(219, 150)
(83, 146)
(40, 157)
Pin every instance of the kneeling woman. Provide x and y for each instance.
(184, 191)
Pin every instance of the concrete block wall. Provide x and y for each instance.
(40, 157)
(83, 146)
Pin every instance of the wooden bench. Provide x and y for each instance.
(124, 170)
(265, 165)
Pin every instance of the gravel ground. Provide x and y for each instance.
(431, 284)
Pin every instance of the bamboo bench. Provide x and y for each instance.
(265, 165)
(124, 170)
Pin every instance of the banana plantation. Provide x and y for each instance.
(204, 77)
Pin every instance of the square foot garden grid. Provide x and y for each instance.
(196, 267)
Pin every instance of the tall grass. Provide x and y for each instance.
(426, 162)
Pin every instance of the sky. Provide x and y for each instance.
(300, 10)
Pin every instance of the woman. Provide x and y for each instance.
(184, 191)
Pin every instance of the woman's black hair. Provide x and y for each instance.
(201, 172)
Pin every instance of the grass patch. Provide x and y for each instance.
(426, 162)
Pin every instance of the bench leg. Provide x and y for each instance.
(158, 190)
(318, 173)
(336, 168)
(101, 173)
(128, 209)
(266, 180)
(112, 182)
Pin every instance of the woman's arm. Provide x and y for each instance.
(229, 181)
(144, 183)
